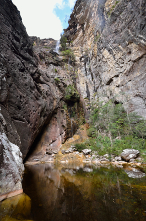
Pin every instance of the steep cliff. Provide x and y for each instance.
(33, 85)
(109, 40)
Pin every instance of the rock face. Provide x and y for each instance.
(11, 167)
(33, 83)
(109, 40)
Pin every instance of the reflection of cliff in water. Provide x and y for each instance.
(84, 194)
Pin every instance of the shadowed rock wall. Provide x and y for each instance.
(33, 83)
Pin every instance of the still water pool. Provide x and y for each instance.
(72, 193)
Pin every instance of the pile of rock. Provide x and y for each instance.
(127, 156)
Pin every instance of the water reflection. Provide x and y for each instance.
(16, 208)
(134, 172)
(86, 193)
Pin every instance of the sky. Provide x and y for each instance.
(45, 18)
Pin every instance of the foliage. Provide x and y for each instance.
(55, 70)
(68, 53)
(80, 146)
(57, 80)
(113, 119)
(71, 94)
(47, 47)
(115, 4)
(113, 7)
(65, 107)
(112, 129)
(96, 38)
(81, 120)
(63, 41)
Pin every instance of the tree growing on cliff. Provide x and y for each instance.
(63, 41)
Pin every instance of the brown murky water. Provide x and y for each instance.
(72, 193)
(80, 194)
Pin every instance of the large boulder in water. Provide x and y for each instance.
(129, 154)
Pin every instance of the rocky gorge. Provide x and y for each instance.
(44, 97)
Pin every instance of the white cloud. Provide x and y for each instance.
(72, 3)
(39, 18)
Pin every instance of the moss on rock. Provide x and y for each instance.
(71, 94)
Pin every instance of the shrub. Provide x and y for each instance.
(63, 41)
(114, 129)
(96, 38)
(69, 54)
(57, 80)
(80, 146)
(71, 94)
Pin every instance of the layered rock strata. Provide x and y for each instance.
(109, 40)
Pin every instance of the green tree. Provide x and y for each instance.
(63, 41)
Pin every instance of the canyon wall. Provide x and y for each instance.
(33, 96)
(108, 38)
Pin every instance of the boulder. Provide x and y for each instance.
(87, 169)
(49, 151)
(63, 151)
(86, 151)
(129, 154)
(118, 158)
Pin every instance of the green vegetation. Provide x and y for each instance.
(68, 53)
(47, 47)
(81, 119)
(96, 38)
(76, 74)
(71, 94)
(113, 7)
(112, 129)
(55, 70)
(63, 41)
(80, 146)
(57, 80)
(65, 107)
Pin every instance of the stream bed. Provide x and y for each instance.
(74, 193)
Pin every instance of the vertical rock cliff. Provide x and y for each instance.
(109, 40)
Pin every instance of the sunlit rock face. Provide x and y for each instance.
(11, 168)
(109, 40)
